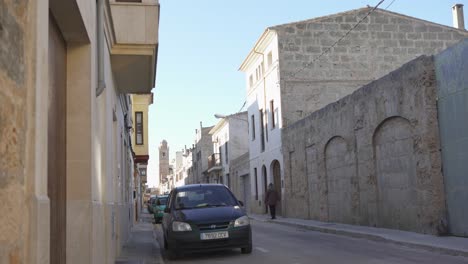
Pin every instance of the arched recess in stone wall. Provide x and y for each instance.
(396, 174)
(340, 173)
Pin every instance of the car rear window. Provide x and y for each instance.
(162, 201)
(205, 196)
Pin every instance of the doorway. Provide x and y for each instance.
(246, 195)
(276, 169)
(56, 135)
(265, 185)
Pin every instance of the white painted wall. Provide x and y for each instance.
(259, 96)
(233, 132)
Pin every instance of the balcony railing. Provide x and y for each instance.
(214, 162)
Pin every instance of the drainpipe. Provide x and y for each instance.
(100, 47)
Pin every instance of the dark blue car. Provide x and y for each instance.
(205, 217)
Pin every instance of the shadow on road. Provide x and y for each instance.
(202, 257)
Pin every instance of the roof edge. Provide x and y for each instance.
(253, 52)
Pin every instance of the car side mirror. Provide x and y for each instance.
(167, 210)
(241, 203)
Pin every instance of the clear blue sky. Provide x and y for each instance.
(203, 43)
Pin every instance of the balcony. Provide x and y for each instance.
(214, 162)
(134, 43)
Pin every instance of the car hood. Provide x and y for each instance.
(209, 214)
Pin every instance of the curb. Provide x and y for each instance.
(157, 245)
(373, 237)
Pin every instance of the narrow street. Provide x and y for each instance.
(275, 243)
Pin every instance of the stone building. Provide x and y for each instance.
(373, 157)
(66, 158)
(163, 162)
(297, 68)
(240, 179)
(230, 140)
(183, 166)
(202, 148)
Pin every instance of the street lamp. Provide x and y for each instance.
(219, 116)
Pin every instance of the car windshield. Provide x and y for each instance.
(205, 196)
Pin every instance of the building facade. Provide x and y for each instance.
(66, 151)
(164, 166)
(140, 110)
(240, 179)
(187, 165)
(230, 140)
(298, 68)
(452, 98)
(202, 148)
(163, 161)
(376, 157)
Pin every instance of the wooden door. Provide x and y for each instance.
(57, 143)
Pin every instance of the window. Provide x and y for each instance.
(262, 132)
(164, 154)
(269, 59)
(272, 110)
(251, 80)
(139, 128)
(256, 184)
(204, 196)
(226, 152)
(253, 126)
(220, 154)
(259, 71)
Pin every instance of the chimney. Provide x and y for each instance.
(458, 19)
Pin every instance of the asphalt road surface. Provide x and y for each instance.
(274, 243)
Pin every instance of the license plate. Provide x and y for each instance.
(214, 235)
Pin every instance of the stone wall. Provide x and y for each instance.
(15, 79)
(371, 158)
(381, 43)
(452, 85)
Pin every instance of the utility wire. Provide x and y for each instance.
(389, 5)
(336, 42)
(242, 107)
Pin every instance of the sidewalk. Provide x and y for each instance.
(445, 245)
(142, 247)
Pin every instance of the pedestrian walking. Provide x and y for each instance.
(271, 198)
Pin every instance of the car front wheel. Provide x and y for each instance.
(247, 249)
(171, 254)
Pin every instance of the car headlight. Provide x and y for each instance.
(242, 221)
(180, 226)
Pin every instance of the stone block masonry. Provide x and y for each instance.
(371, 158)
(378, 45)
(13, 132)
